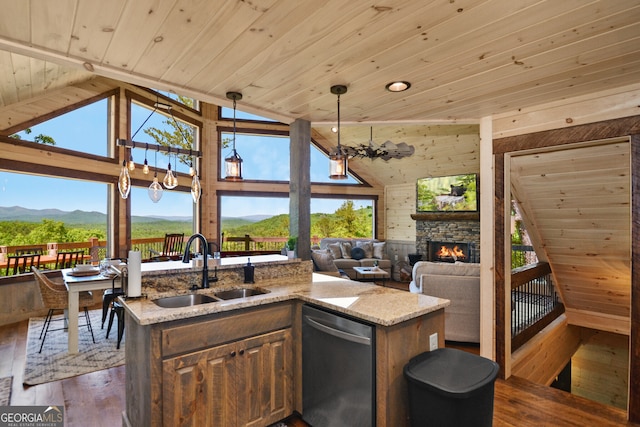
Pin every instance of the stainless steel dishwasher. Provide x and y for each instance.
(338, 370)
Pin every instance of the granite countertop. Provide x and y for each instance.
(365, 301)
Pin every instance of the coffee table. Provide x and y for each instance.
(371, 274)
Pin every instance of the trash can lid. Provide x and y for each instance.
(451, 372)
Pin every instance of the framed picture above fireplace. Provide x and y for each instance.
(443, 194)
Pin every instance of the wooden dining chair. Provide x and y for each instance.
(68, 259)
(19, 264)
(172, 247)
(27, 251)
(55, 297)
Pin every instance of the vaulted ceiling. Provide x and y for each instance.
(464, 58)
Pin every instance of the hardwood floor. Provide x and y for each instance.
(98, 399)
(95, 399)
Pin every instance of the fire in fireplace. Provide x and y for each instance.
(450, 252)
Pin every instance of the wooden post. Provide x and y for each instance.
(300, 187)
(634, 338)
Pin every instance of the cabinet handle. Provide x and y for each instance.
(241, 352)
(233, 354)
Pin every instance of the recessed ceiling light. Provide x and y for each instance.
(398, 86)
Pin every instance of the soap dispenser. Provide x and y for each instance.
(248, 272)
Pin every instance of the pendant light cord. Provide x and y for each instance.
(339, 148)
(234, 125)
(145, 121)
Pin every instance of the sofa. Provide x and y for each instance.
(348, 253)
(459, 283)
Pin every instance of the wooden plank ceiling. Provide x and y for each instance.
(576, 204)
(465, 58)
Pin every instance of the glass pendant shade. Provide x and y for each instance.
(170, 181)
(233, 167)
(196, 188)
(338, 166)
(155, 190)
(124, 181)
(145, 167)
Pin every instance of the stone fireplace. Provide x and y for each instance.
(431, 235)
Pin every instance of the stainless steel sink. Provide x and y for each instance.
(239, 293)
(184, 300)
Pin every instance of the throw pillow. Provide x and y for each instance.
(345, 248)
(323, 260)
(367, 247)
(357, 253)
(335, 250)
(379, 250)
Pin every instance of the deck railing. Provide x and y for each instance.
(534, 302)
(247, 243)
(95, 249)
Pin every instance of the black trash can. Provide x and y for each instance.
(449, 387)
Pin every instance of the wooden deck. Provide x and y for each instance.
(98, 399)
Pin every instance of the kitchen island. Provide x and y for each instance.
(238, 361)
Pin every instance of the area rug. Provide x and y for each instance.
(5, 390)
(55, 363)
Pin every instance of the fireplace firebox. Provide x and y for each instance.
(452, 251)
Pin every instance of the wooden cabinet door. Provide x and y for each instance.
(199, 389)
(265, 383)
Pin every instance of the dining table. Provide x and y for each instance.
(78, 281)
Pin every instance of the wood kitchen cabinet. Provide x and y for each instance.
(246, 383)
(229, 369)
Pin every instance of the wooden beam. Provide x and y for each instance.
(634, 342)
(556, 137)
(600, 321)
(501, 328)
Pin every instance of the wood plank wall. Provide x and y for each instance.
(400, 204)
(544, 356)
(607, 105)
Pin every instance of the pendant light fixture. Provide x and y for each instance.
(196, 187)
(337, 158)
(175, 168)
(170, 182)
(155, 189)
(233, 163)
(131, 164)
(124, 181)
(145, 167)
(192, 171)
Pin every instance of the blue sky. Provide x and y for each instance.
(86, 130)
